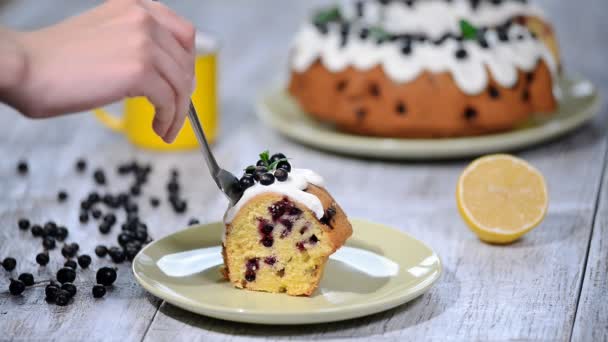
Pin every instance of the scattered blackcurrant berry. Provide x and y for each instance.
(84, 260)
(70, 288)
(66, 275)
(68, 251)
(125, 237)
(135, 190)
(110, 219)
(99, 291)
(37, 230)
(154, 202)
(101, 251)
(62, 298)
(9, 263)
(81, 165)
(180, 206)
(117, 255)
(84, 217)
(16, 287)
(51, 292)
(71, 264)
(105, 228)
(22, 167)
(42, 259)
(96, 213)
(106, 276)
(62, 233)
(49, 243)
(62, 196)
(99, 176)
(24, 224)
(27, 279)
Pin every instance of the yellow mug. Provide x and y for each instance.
(136, 121)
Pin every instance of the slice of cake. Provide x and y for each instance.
(280, 234)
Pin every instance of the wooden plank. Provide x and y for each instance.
(591, 323)
(524, 291)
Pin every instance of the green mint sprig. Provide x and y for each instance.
(265, 157)
(328, 15)
(467, 30)
(378, 33)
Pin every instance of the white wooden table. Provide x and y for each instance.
(551, 285)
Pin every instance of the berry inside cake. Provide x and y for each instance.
(280, 234)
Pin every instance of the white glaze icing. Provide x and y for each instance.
(434, 18)
(502, 59)
(293, 188)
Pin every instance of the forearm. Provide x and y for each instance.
(13, 65)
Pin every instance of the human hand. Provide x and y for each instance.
(123, 48)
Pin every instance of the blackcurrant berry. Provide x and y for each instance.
(16, 287)
(281, 175)
(24, 224)
(27, 279)
(99, 291)
(71, 264)
(42, 259)
(9, 263)
(70, 288)
(101, 251)
(66, 275)
(84, 261)
(106, 276)
(266, 179)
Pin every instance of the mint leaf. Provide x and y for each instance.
(274, 164)
(328, 15)
(265, 157)
(378, 33)
(467, 30)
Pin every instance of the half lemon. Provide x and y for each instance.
(501, 197)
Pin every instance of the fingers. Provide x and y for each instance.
(183, 30)
(174, 63)
(177, 67)
(162, 96)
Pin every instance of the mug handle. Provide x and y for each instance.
(112, 122)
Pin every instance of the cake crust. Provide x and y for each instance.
(431, 106)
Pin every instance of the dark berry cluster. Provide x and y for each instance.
(178, 204)
(107, 209)
(267, 170)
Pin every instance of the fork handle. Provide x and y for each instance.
(200, 135)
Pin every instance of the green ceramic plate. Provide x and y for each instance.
(578, 103)
(378, 269)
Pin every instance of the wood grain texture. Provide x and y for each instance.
(591, 323)
(529, 290)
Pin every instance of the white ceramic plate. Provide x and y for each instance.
(378, 269)
(578, 103)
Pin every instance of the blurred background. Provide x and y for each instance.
(246, 68)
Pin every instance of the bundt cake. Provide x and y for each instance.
(426, 68)
(281, 232)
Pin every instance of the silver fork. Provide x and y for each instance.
(225, 180)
